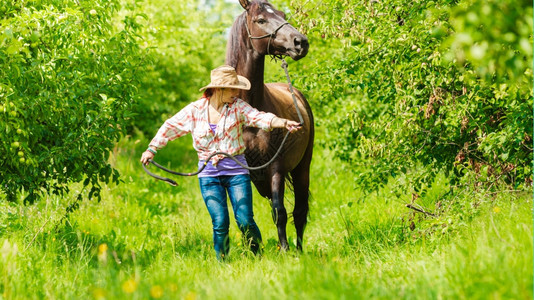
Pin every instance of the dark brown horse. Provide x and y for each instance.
(259, 31)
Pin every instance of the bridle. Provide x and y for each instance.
(269, 35)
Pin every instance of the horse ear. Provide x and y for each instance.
(244, 3)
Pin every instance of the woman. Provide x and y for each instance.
(216, 122)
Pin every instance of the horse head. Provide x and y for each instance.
(270, 33)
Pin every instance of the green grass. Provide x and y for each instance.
(357, 245)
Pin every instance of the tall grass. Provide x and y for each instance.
(146, 239)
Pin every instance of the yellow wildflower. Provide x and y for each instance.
(129, 286)
(156, 292)
(99, 293)
(173, 287)
(191, 296)
(102, 248)
(103, 253)
(496, 209)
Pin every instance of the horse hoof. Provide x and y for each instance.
(283, 248)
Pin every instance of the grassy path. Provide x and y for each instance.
(146, 239)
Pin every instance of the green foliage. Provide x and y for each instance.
(68, 83)
(186, 43)
(494, 38)
(80, 75)
(400, 99)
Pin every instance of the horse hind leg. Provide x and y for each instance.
(301, 184)
(278, 208)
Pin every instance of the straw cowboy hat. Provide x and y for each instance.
(226, 77)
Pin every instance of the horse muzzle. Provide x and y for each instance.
(298, 48)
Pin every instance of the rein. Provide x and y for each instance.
(301, 120)
(173, 183)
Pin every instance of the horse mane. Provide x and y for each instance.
(232, 56)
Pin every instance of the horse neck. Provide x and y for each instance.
(247, 62)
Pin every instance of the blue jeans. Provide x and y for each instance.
(214, 191)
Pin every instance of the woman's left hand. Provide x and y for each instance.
(146, 157)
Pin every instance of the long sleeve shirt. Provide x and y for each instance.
(228, 136)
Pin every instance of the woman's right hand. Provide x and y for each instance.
(146, 157)
(292, 126)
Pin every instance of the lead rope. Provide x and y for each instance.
(173, 183)
(284, 66)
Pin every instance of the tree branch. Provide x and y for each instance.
(421, 210)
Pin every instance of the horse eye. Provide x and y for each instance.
(262, 21)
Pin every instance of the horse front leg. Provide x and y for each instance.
(278, 209)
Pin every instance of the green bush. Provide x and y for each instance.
(413, 88)
(69, 80)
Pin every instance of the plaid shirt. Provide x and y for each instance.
(228, 136)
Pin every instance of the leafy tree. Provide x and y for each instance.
(186, 42)
(411, 88)
(77, 75)
(68, 81)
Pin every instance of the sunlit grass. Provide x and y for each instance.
(146, 239)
